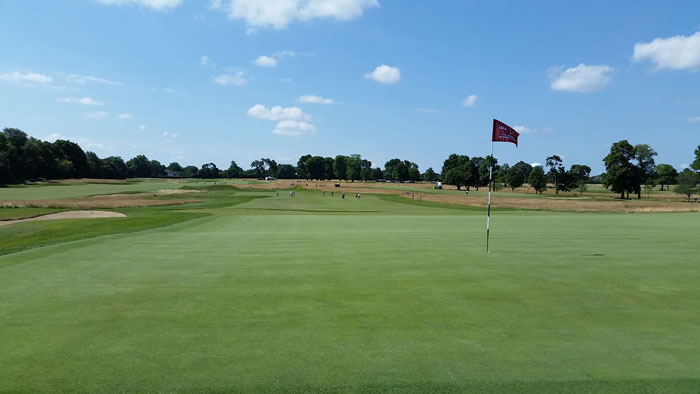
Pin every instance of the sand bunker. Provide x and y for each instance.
(68, 215)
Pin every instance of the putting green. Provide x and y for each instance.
(315, 294)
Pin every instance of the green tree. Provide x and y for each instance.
(645, 165)
(302, 172)
(315, 167)
(665, 175)
(70, 151)
(454, 160)
(484, 170)
(620, 174)
(95, 165)
(474, 165)
(286, 171)
(696, 163)
(457, 176)
(354, 167)
(556, 171)
(190, 172)
(209, 171)
(518, 174)
(175, 166)
(139, 167)
(537, 179)
(366, 173)
(234, 170)
(687, 182)
(340, 167)
(377, 173)
(157, 169)
(113, 167)
(430, 175)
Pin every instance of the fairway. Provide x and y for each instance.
(378, 294)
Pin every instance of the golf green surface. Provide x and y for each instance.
(381, 294)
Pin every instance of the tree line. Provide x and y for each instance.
(628, 168)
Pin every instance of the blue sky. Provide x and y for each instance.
(199, 81)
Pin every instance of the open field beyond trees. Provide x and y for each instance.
(232, 288)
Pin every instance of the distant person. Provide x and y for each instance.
(695, 200)
(278, 194)
(466, 193)
(420, 198)
(291, 194)
(331, 194)
(342, 197)
(359, 195)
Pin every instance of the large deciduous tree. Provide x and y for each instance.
(430, 175)
(621, 174)
(687, 182)
(556, 171)
(139, 166)
(537, 179)
(696, 163)
(340, 167)
(665, 175)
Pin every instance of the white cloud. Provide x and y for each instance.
(280, 13)
(266, 61)
(694, 119)
(124, 116)
(271, 61)
(54, 136)
(97, 115)
(523, 129)
(283, 54)
(470, 100)
(206, 61)
(26, 77)
(311, 99)
(676, 53)
(83, 79)
(142, 127)
(581, 78)
(427, 110)
(82, 101)
(291, 120)
(159, 5)
(277, 113)
(237, 79)
(293, 128)
(385, 74)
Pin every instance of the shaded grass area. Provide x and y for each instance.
(52, 191)
(21, 236)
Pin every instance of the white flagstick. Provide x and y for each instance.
(488, 214)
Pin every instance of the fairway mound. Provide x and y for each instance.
(68, 215)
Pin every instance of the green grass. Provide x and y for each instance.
(21, 213)
(52, 191)
(279, 295)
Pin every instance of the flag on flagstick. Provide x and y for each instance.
(504, 133)
(501, 133)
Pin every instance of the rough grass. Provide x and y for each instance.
(322, 295)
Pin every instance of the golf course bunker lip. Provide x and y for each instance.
(68, 215)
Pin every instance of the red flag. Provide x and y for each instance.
(504, 133)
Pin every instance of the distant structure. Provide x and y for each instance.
(536, 165)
